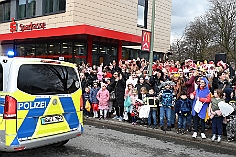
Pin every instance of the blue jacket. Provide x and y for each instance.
(86, 97)
(93, 95)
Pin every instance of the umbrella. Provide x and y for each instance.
(225, 108)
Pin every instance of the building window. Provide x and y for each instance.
(5, 11)
(142, 13)
(26, 8)
(54, 6)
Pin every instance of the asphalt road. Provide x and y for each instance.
(114, 139)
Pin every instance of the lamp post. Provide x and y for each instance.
(152, 37)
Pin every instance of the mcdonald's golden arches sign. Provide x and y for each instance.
(146, 41)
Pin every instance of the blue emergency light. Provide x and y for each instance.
(10, 54)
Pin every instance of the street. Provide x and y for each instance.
(106, 138)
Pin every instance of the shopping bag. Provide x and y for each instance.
(126, 116)
(144, 111)
(87, 106)
(112, 95)
(198, 106)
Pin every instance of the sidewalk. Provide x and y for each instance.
(172, 133)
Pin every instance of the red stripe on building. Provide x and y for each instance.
(72, 30)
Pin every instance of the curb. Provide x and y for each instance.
(172, 133)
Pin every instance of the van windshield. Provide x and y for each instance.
(40, 79)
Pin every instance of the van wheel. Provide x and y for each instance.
(1, 153)
(59, 143)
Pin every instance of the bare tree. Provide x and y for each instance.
(222, 15)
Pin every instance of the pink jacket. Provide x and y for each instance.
(103, 98)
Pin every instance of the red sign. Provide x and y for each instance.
(13, 26)
(31, 26)
(146, 41)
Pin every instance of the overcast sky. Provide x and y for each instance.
(183, 12)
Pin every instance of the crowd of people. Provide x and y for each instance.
(189, 93)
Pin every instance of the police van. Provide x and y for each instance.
(40, 103)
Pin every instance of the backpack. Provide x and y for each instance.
(167, 98)
(185, 108)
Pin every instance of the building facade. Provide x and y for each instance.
(92, 31)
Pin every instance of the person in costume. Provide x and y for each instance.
(202, 94)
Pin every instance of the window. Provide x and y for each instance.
(40, 79)
(142, 13)
(26, 8)
(54, 6)
(5, 11)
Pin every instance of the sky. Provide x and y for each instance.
(184, 12)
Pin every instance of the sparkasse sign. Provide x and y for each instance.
(28, 27)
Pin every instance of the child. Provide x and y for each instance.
(216, 115)
(103, 98)
(151, 100)
(93, 99)
(166, 102)
(134, 106)
(141, 96)
(85, 98)
(183, 109)
(110, 102)
(127, 103)
(231, 119)
(143, 93)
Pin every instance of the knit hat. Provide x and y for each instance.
(205, 80)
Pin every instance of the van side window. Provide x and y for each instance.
(1, 78)
(40, 79)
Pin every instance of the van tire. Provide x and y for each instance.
(1, 153)
(59, 143)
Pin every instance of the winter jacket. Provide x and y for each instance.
(190, 84)
(119, 88)
(155, 83)
(86, 97)
(179, 104)
(103, 98)
(93, 95)
(84, 84)
(219, 84)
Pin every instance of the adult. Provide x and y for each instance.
(156, 79)
(115, 67)
(141, 83)
(220, 81)
(118, 85)
(202, 94)
(84, 82)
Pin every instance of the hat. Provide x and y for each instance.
(95, 82)
(107, 79)
(205, 80)
(103, 84)
(176, 75)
